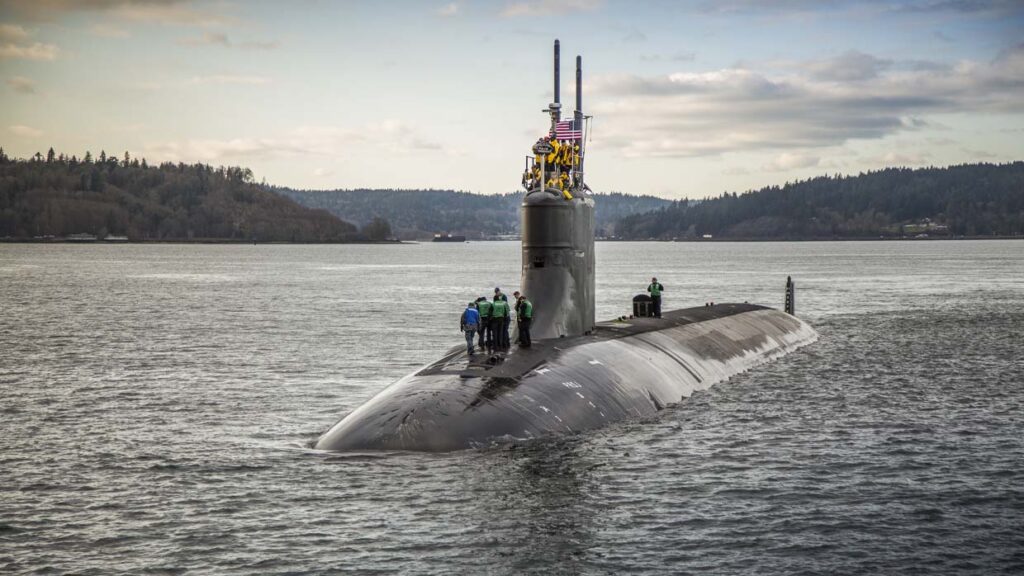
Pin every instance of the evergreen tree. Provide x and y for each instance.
(50, 156)
(88, 158)
(378, 229)
(170, 202)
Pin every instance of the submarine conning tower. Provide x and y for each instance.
(557, 224)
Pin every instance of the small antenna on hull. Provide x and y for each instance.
(578, 122)
(557, 70)
(555, 108)
(579, 86)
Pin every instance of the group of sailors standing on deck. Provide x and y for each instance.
(491, 320)
(562, 164)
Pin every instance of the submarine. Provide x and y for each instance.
(579, 374)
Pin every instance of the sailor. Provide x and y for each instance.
(548, 141)
(655, 288)
(486, 336)
(508, 317)
(553, 155)
(524, 315)
(566, 159)
(515, 306)
(469, 323)
(499, 320)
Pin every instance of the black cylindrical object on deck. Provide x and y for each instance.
(643, 306)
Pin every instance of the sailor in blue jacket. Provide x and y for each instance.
(469, 324)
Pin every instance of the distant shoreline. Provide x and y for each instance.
(412, 242)
(828, 239)
(178, 241)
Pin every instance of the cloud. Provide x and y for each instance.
(176, 12)
(36, 51)
(207, 39)
(730, 110)
(212, 150)
(321, 172)
(925, 65)
(902, 159)
(12, 33)
(389, 136)
(22, 85)
(634, 36)
(15, 44)
(791, 161)
(105, 30)
(25, 131)
(172, 13)
(675, 57)
(979, 154)
(849, 67)
(959, 6)
(755, 6)
(222, 39)
(735, 171)
(547, 7)
(450, 9)
(230, 79)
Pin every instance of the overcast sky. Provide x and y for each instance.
(690, 98)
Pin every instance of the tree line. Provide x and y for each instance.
(59, 195)
(418, 214)
(964, 200)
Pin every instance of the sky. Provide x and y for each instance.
(689, 98)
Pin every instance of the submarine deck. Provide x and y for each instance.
(623, 369)
(509, 366)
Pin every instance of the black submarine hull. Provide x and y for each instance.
(622, 370)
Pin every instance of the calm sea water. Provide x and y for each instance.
(158, 401)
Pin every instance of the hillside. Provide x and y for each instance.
(420, 213)
(965, 200)
(59, 195)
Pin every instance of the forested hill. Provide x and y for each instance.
(965, 200)
(421, 213)
(57, 195)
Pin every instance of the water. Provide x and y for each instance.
(158, 401)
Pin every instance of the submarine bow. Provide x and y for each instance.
(622, 370)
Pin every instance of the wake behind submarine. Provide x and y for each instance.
(579, 374)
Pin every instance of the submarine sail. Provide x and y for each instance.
(579, 374)
(557, 224)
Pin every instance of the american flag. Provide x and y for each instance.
(568, 130)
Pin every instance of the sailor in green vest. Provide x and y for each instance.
(524, 316)
(484, 308)
(656, 289)
(499, 320)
